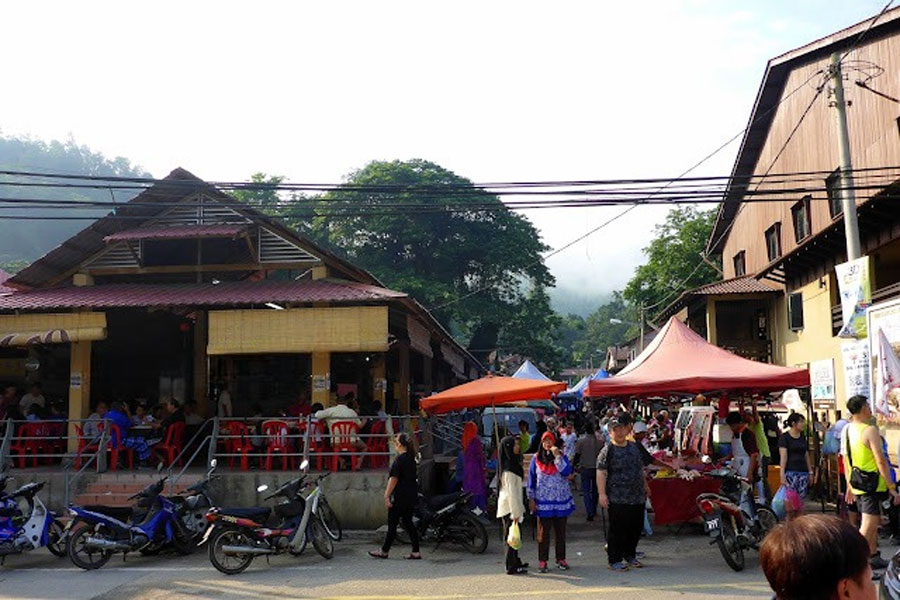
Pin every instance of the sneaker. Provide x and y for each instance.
(876, 562)
(542, 567)
(562, 565)
(635, 564)
(621, 566)
(518, 571)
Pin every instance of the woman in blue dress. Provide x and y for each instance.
(550, 498)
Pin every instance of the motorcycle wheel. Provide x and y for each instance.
(330, 520)
(470, 533)
(767, 519)
(56, 542)
(84, 557)
(183, 545)
(230, 565)
(321, 539)
(730, 547)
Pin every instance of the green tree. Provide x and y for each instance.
(600, 333)
(534, 331)
(674, 261)
(421, 230)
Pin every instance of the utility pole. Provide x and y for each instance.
(848, 196)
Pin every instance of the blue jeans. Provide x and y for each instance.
(589, 491)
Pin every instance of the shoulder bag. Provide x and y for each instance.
(864, 481)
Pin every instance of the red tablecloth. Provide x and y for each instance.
(675, 500)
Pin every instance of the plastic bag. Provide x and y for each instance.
(786, 500)
(514, 539)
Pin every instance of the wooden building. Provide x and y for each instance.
(185, 290)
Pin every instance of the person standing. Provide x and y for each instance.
(510, 507)
(586, 450)
(861, 449)
(400, 498)
(550, 499)
(793, 451)
(569, 438)
(474, 477)
(224, 409)
(623, 491)
(765, 454)
(524, 437)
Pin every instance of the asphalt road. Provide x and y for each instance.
(682, 565)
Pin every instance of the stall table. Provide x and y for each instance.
(674, 500)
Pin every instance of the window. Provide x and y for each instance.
(773, 241)
(801, 218)
(795, 311)
(832, 190)
(740, 264)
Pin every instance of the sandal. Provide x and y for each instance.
(378, 554)
(412, 556)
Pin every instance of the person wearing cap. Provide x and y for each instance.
(639, 431)
(623, 491)
(550, 499)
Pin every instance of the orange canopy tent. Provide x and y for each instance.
(488, 391)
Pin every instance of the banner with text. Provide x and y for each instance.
(855, 356)
(855, 289)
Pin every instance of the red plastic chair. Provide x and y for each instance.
(317, 445)
(278, 442)
(377, 445)
(113, 446)
(29, 442)
(173, 444)
(238, 442)
(343, 441)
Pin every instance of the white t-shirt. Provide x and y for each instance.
(27, 400)
(225, 404)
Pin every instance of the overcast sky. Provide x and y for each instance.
(495, 91)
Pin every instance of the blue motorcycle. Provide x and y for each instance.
(99, 532)
(26, 524)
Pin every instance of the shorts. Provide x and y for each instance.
(870, 504)
(798, 481)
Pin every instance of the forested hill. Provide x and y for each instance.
(22, 241)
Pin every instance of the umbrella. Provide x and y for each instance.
(489, 391)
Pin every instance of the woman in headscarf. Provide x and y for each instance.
(550, 498)
(510, 507)
(474, 478)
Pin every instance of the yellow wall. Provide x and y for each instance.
(298, 330)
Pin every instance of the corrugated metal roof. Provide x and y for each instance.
(737, 285)
(177, 232)
(205, 294)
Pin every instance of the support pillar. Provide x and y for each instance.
(403, 376)
(321, 378)
(201, 365)
(379, 379)
(79, 388)
(711, 321)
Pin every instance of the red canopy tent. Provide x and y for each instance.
(679, 360)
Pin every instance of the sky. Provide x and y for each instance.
(494, 91)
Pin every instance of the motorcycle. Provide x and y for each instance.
(733, 519)
(239, 534)
(449, 517)
(98, 532)
(27, 528)
(193, 504)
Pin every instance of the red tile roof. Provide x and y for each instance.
(177, 232)
(3, 277)
(191, 294)
(737, 285)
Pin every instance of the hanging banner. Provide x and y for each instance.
(821, 380)
(855, 356)
(887, 380)
(856, 296)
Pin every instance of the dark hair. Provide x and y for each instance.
(523, 422)
(36, 385)
(809, 556)
(734, 418)
(589, 428)
(316, 407)
(856, 404)
(404, 440)
(117, 406)
(795, 418)
(174, 403)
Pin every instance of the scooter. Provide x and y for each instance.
(193, 504)
(25, 530)
(98, 533)
(449, 517)
(239, 535)
(733, 519)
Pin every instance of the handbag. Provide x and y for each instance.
(864, 481)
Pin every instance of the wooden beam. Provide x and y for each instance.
(196, 268)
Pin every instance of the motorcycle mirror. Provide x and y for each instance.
(304, 465)
(213, 463)
(262, 488)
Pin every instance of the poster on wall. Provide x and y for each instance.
(855, 355)
(856, 296)
(821, 379)
(884, 327)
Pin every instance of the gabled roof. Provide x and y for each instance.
(153, 202)
(746, 284)
(764, 108)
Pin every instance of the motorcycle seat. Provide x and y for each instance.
(122, 513)
(440, 501)
(257, 513)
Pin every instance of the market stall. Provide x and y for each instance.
(678, 361)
